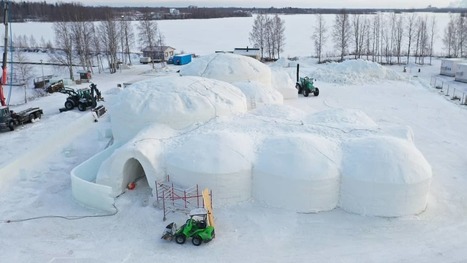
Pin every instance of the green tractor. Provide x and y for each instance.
(305, 85)
(196, 228)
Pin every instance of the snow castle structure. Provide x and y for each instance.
(199, 131)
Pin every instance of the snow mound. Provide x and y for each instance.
(354, 72)
(218, 160)
(306, 179)
(234, 69)
(257, 94)
(174, 101)
(384, 176)
(229, 68)
(348, 119)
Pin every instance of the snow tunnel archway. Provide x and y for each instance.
(133, 171)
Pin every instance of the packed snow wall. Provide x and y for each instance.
(298, 172)
(384, 176)
(220, 161)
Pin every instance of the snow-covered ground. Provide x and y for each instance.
(36, 161)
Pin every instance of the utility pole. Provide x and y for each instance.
(5, 52)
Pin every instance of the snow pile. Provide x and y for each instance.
(174, 101)
(282, 82)
(234, 69)
(305, 180)
(384, 176)
(354, 72)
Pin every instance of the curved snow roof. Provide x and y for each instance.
(174, 101)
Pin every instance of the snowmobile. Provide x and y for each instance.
(196, 228)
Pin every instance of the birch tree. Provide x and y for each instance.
(319, 36)
(341, 33)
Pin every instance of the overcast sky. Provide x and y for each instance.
(269, 3)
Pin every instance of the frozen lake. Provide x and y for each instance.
(205, 36)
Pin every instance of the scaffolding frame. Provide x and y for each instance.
(172, 198)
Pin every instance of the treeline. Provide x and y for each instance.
(44, 12)
(389, 38)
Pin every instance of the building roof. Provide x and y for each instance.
(247, 51)
(158, 48)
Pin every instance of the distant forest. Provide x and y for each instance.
(42, 11)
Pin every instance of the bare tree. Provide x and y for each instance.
(258, 33)
(319, 36)
(461, 34)
(432, 35)
(147, 32)
(82, 35)
(399, 34)
(356, 18)
(64, 43)
(411, 20)
(108, 30)
(449, 38)
(278, 26)
(128, 35)
(24, 70)
(341, 33)
(32, 42)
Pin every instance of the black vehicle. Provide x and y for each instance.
(12, 119)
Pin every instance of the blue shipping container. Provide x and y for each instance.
(182, 59)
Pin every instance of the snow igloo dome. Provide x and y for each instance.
(237, 69)
(384, 176)
(177, 102)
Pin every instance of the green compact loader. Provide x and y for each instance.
(196, 228)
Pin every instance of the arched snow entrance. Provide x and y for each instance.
(133, 171)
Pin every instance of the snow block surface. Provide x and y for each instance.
(220, 161)
(306, 179)
(257, 94)
(174, 101)
(384, 176)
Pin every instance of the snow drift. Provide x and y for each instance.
(354, 72)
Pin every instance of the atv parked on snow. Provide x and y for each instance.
(196, 228)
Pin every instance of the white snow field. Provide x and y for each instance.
(383, 162)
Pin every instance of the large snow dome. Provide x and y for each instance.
(234, 68)
(298, 172)
(384, 176)
(218, 160)
(174, 101)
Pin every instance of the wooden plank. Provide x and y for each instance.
(208, 206)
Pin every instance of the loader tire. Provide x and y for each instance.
(69, 105)
(180, 239)
(11, 125)
(305, 92)
(316, 92)
(299, 88)
(81, 107)
(196, 240)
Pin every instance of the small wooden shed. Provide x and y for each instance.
(158, 54)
